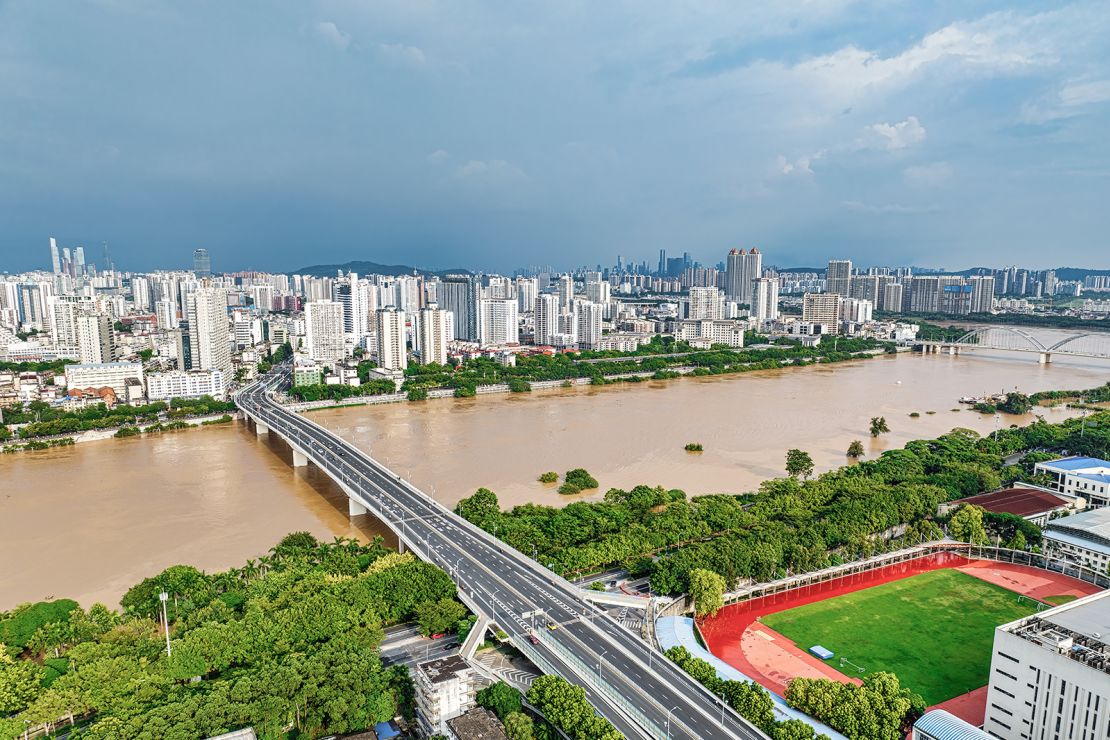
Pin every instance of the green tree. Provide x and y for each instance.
(439, 616)
(707, 589)
(1018, 542)
(799, 463)
(20, 682)
(501, 698)
(966, 525)
(480, 508)
(855, 449)
(519, 726)
(549, 477)
(879, 426)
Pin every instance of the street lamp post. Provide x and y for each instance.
(164, 597)
(669, 721)
(600, 660)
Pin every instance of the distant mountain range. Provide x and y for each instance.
(363, 267)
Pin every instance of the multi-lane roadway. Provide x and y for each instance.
(642, 693)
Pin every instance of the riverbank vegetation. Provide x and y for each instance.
(788, 524)
(1046, 321)
(287, 644)
(43, 420)
(694, 447)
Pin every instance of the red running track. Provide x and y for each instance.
(736, 636)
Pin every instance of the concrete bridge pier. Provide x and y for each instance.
(1044, 358)
(354, 508)
(300, 459)
(953, 350)
(261, 429)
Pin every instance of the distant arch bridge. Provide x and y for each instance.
(1012, 339)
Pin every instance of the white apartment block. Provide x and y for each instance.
(497, 322)
(822, 308)
(708, 332)
(764, 300)
(434, 329)
(598, 291)
(166, 314)
(112, 375)
(94, 338)
(546, 318)
(588, 320)
(526, 291)
(185, 384)
(445, 689)
(392, 349)
(324, 331)
(1050, 674)
(209, 333)
(704, 303)
(856, 310)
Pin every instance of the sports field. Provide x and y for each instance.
(934, 631)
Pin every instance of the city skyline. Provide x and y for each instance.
(931, 135)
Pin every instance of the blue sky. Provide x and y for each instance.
(498, 134)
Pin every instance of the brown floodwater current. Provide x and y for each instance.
(88, 521)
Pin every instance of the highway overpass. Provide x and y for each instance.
(642, 693)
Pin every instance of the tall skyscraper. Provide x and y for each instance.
(202, 263)
(345, 292)
(460, 294)
(741, 268)
(325, 327)
(392, 350)
(838, 277)
(497, 322)
(764, 305)
(166, 314)
(209, 333)
(982, 293)
(79, 261)
(598, 291)
(526, 291)
(64, 312)
(55, 258)
(434, 330)
(546, 318)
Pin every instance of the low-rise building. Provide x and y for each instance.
(1050, 674)
(1083, 477)
(1033, 504)
(1081, 538)
(185, 384)
(99, 374)
(445, 689)
(477, 724)
(938, 724)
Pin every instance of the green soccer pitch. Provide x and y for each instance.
(935, 631)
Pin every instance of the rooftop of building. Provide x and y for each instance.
(1079, 466)
(945, 726)
(443, 669)
(1093, 524)
(1079, 630)
(478, 724)
(1018, 501)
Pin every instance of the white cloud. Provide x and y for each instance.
(494, 172)
(402, 55)
(438, 156)
(331, 33)
(1070, 100)
(887, 208)
(797, 167)
(899, 135)
(928, 175)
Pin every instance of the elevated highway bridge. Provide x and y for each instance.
(641, 692)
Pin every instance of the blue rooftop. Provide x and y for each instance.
(944, 726)
(1075, 463)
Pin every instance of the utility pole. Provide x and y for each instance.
(164, 597)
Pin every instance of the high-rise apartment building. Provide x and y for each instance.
(94, 338)
(64, 312)
(546, 318)
(166, 314)
(822, 308)
(460, 294)
(566, 292)
(741, 268)
(209, 333)
(764, 304)
(598, 291)
(838, 277)
(526, 291)
(893, 297)
(982, 293)
(325, 327)
(345, 291)
(704, 303)
(497, 322)
(856, 310)
(392, 349)
(588, 319)
(142, 296)
(434, 329)
(202, 263)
